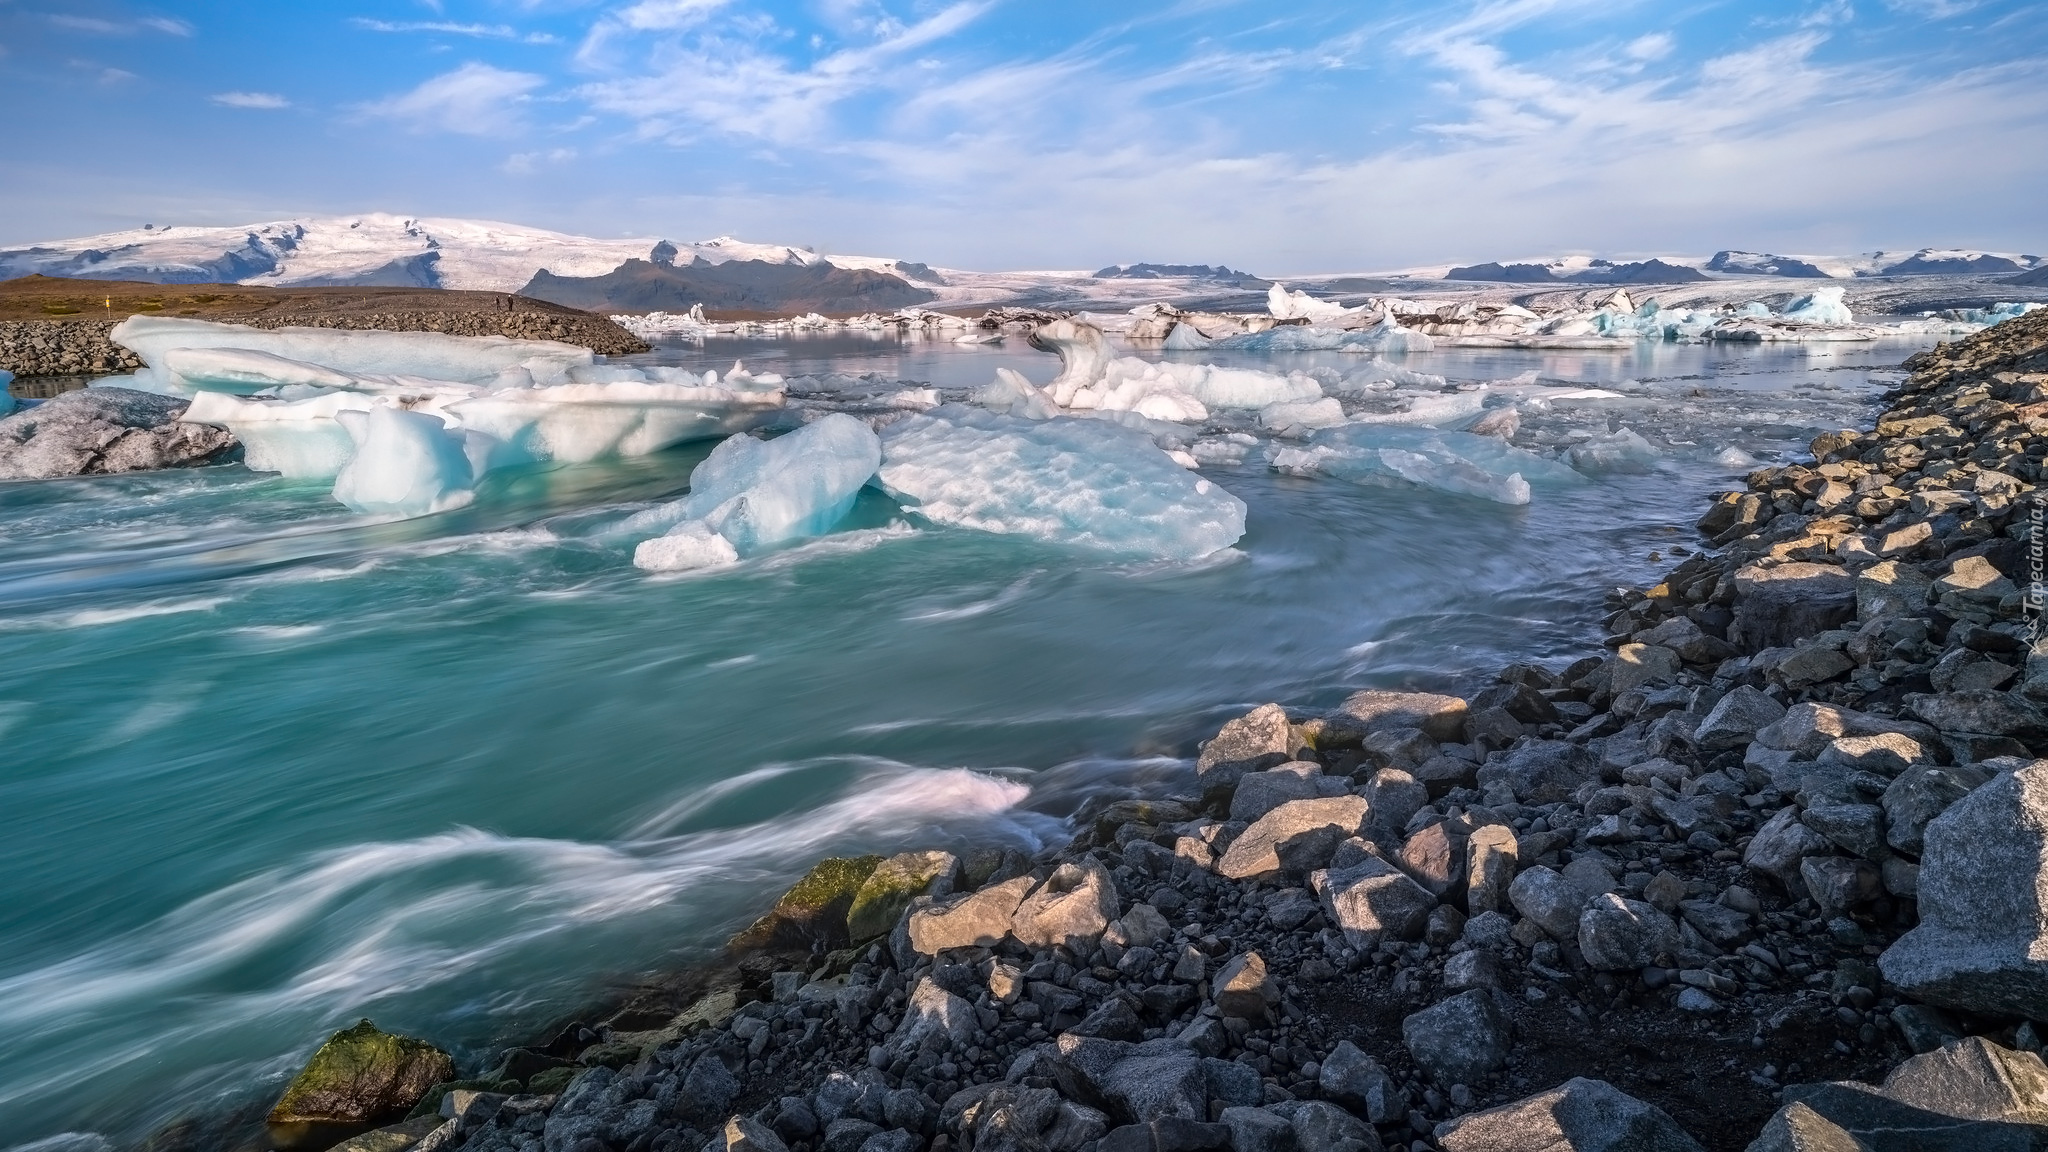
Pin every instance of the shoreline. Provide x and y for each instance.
(1383, 955)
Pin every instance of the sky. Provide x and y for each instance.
(1002, 134)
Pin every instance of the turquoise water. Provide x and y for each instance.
(266, 768)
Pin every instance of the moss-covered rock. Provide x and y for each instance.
(814, 909)
(553, 1081)
(887, 893)
(396, 1138)
(362, 1076)
(430, 1104)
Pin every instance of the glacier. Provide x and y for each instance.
(1083, 482)
(753, 494)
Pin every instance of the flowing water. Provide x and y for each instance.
(266, 768)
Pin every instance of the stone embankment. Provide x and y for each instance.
(1765, 872)
(81, 347)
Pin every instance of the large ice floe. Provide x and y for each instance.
(1077, 481)
(406, 423)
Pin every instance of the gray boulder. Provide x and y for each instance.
(100, 431)
(978, 919)
(1736, 720)
(1618, 934)
(1260, 792)
(1255, 741)
(1355, 1080)
(1975, 1079)
(1071, 909)
(1982, 941)
(1362, 713)
(1258, 850)
(1779, 846)
(1323, 1127)
(1776, 606)
(1460, 1040)
(1542, 772)
(1579, 1115)
(1851, 1117)
(1549, 899)
(1371, 901)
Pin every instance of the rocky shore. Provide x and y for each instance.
(1765, 872)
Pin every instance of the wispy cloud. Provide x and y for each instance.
(265, 100)
(450, 28)
(527, 163)
(473, 100)
(725, 81)
(102, 27)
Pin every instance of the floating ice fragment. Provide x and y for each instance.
(1735, 459)
(1012, 394)
(1228, 449)
(246, 370)
(1824, 306)
(1297, 305)
(1086, 482)
(1186, 338)
(1302, 415)
(1082, 353)
(1458, 462)
(691, 544)
(1618, 451)
(753, 494)
(1129, 384)
(404, 464)
(6, 397)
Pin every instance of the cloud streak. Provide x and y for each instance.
(473, 100)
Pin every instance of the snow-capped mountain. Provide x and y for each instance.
(374, 250)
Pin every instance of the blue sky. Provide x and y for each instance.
(1281, 137)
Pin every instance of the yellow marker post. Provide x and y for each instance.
(110, 303)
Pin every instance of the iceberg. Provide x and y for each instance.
(1083, 355)
(753, 494)
(1012, 394)
(404, 464)
(1823, 306)
(7, 400)
(1220, 387)
(1186, 338)
(1386, 336)
(1618, 451)
(1129, 384)
(1083, 482)
(1299, 416)
(424, 355)
(299, 439)
(1297, 305)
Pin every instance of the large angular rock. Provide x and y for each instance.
(1255, 741)
(1851, 1117)
(814, 909)
(1550, 900)
(100, 431)
(1921, 793)
(362, 1076)
(1372, 901)
(1434, 857)
(1460, 1040)
(1494, 854)
(1776, 606)
(1637, 665)
(887, 892)
(1983, 712)
(1070, 910)
(1891, 588)
(1260, 792)
(1808, 728)
(1579, 1115)
(1362, 713)
(1736, 720)
(1617, 934)
(1324, 1127)
(1779, 846)
(1838, 883)
(1259, 849)
(1243, 989)
(1982, 941)
(1543, 771)
(1356, 1080)
(976, 920)
(1974, 1079)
